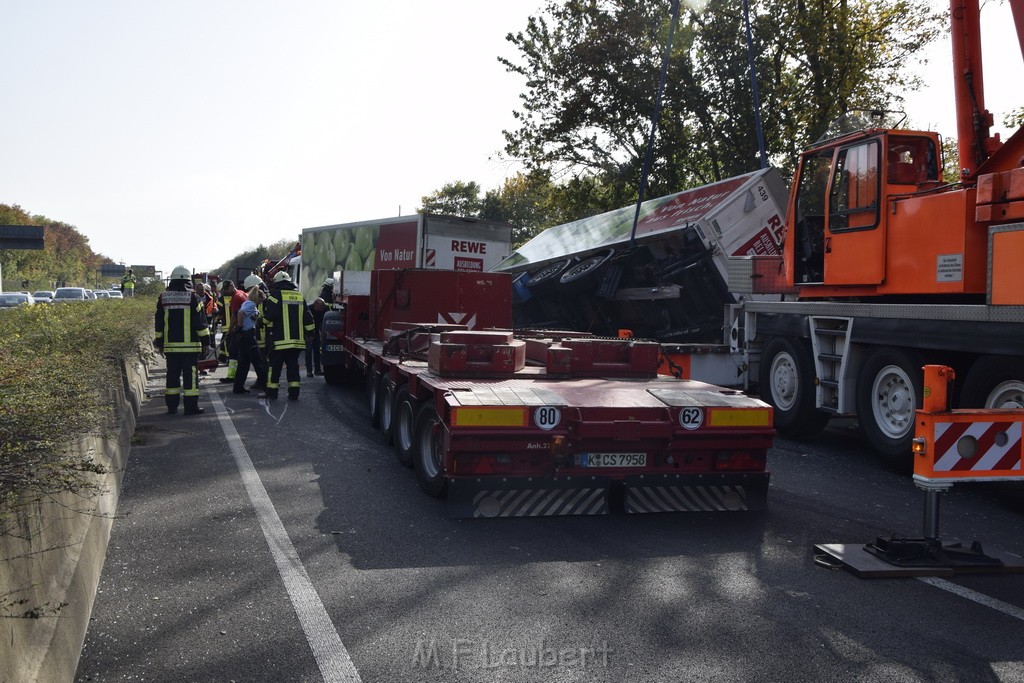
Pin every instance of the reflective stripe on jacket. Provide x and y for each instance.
(288, 318)
(180, 321)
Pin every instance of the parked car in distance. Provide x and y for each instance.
(90, 295)
(12, 299)
(42, 297)
(69, 294)
(115, 294)
(101, 294)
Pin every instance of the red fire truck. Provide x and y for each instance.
(545, 425)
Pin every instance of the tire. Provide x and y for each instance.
(546, 277)
(889, 390)
(334, 375)
(787, 383)
(387, 408)
(586, 274)
(994, 382)
(373, 380)
(428, 454)
(404, 425)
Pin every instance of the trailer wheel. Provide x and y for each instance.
(888, 393)
(373, 380)
(387, 408)
(334, 374)
(585, 274)
(787, 383)
(404, 425)
(994, 382)
(428, 451)
(546, 277)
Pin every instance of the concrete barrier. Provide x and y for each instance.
(50, 565)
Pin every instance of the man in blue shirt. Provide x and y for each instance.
(246, 324)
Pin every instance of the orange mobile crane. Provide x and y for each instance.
(895, 267)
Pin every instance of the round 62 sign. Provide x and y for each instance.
(691, 418)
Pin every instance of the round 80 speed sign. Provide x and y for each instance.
(547, 417)
(691, 418)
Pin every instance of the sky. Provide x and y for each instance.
(185, 132)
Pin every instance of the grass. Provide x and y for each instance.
(57, 365)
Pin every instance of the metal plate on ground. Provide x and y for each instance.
(518, 497)
(854, 558)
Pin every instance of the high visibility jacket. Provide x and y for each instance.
(180, 320)
(288, 317)
(225, 302)
(261, 326)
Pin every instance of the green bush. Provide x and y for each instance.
(56, 364)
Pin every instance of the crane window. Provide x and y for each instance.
(912, 160)
(853, 199)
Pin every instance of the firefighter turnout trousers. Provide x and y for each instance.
(182, 366)
(290, 359)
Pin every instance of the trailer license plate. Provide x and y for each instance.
(334, 347)
(613, 460)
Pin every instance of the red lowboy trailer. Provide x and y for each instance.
(527, 425)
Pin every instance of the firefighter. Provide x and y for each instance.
(232, 299)
(327, 292)
(181, 335)
(288, 323)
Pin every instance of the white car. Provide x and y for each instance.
(115, 294)
(13, 299)
(69, 294)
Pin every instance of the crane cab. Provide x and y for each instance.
(870, 216)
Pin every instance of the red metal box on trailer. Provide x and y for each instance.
(476, 300)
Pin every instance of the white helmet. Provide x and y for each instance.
(252, 281)
(329, 281)
(181, 273)
(283, 276)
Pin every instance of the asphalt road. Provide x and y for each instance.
(366, 578)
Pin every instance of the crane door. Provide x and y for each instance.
(854, 249)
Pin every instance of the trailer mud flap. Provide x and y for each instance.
(511, 497)
(697, 493)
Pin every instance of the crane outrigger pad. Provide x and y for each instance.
(909, 557)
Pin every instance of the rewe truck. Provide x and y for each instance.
(885, 266)
(349, 251)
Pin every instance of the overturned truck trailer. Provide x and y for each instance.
(672, 284)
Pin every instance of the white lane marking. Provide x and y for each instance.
(330, 653)
(980, 598)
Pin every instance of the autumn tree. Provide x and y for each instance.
(454, 199)
(66, 256)
(591, 69)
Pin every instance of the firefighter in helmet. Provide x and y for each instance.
(181, 335)
(288, 323)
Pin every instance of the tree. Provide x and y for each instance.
(454, 199)
(592, 66)
(1015, 118)
(66, 256)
